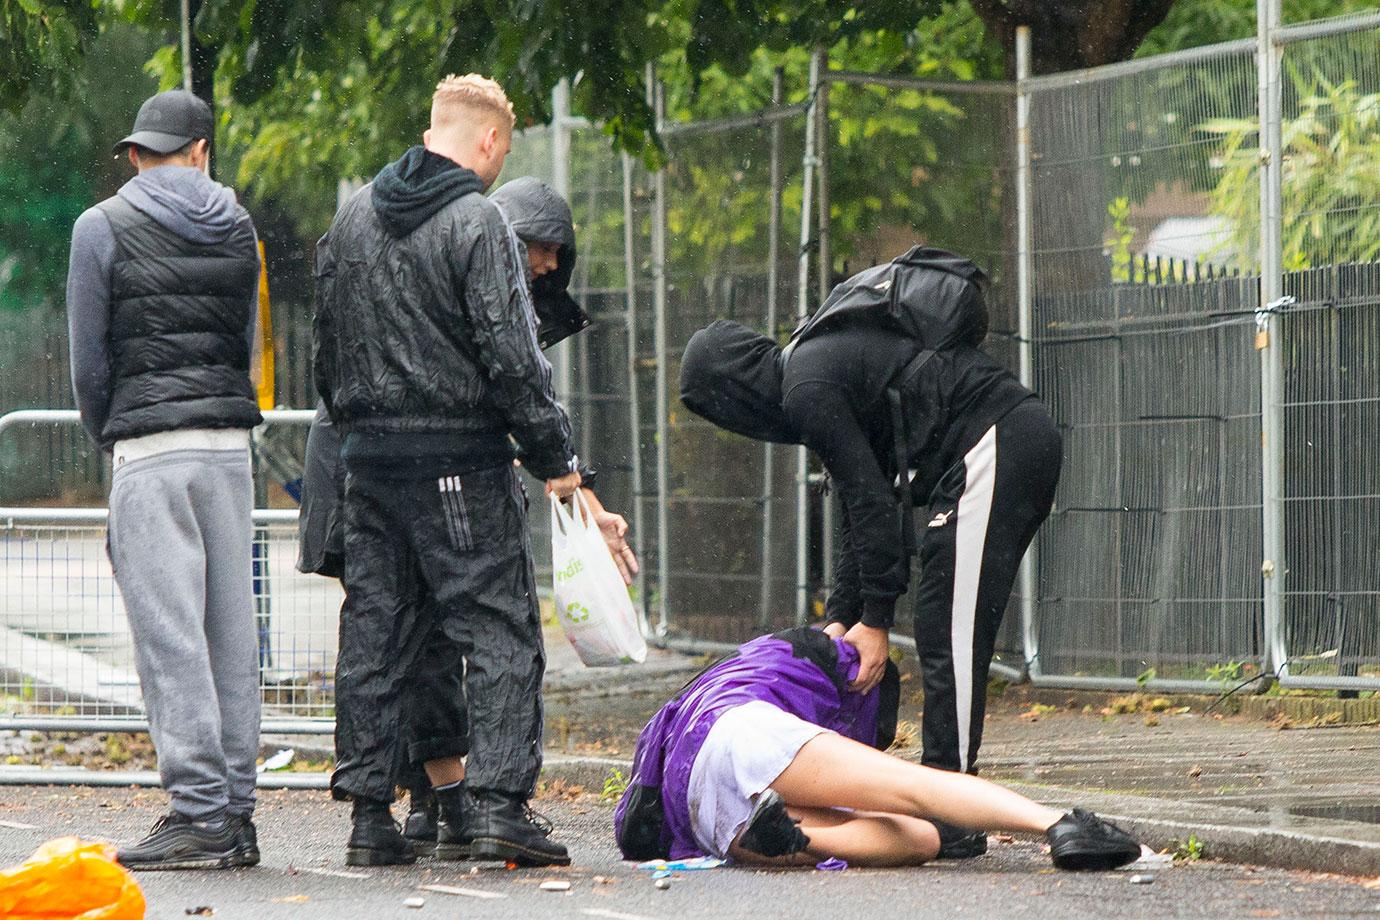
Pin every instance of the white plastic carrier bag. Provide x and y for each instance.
(592, 602)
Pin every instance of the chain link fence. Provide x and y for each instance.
(1217, 514)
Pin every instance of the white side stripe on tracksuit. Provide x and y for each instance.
(974, 510)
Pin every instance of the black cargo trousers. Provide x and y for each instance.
(438, 563)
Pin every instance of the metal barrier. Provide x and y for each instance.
(1219, 510)
(66, 662)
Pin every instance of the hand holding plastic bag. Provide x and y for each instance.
(70, 879)
(592, 600)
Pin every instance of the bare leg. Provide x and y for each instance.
(860, 838)
(831, 771)
(445, 770)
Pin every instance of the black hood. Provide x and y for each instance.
(731, 376)
(538, 215)
(408, 191)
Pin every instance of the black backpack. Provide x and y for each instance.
(936, 298)
(931, 295)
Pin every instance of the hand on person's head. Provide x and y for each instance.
(563, 486)
(872, 644)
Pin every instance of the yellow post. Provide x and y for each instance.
(261, 368)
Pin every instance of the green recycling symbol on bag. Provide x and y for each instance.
(576, 612)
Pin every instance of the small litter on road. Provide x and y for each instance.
(832, 864)
(292, 899)
(333, 873)
(697, 864)
(1149, 859)
(555, 885)
(204, 911)
(464, 892)
(1143, 879)
(18, 826)
(278, 761)
(662, 883)
(414, 903)
(603, 880)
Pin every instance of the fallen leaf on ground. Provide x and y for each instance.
(292, 899)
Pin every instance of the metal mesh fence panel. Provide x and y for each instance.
(65, 643)
(916, 162)
(1331, 336)
(1150, 563)
(730, 503)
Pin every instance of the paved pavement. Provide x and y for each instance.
(304, 876)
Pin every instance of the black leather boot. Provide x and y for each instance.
(502, 828)
(420, 826)
(375, 839)
(452, 836)
(246, 842)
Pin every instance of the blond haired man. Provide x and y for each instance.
(428, 364)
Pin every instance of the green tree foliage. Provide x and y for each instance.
(1330, 183)
(39, 41)
(55, 162)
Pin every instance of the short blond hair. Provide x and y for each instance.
(471, 100)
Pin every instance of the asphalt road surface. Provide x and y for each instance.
(303, 876)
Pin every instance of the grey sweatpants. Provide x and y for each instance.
(181, 537)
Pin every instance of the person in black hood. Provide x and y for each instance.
(887, 384)
(428, 365)
(436, 727)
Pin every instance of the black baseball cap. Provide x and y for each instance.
(169, 121)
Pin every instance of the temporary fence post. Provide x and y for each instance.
(802, 457)
(1269, 341)
(1030, 637)
(560, 182)
(825, 281)
(634, 403)
(663, 495)
(764, 612)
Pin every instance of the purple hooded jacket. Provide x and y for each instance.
(802, 671)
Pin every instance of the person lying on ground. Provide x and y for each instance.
(888, 385)
(768, 758)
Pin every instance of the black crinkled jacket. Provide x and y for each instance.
(429, 330)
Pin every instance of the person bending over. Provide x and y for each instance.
(888, 385)
(769, 757)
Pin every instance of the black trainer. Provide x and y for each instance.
(502, 827)
(770, 829)
(246, 842)
(958, 842)
(453, 839)
(179, 842)
(420, 826)
(1082, 840)
(375, 839)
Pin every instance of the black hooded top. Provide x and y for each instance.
(538, 215)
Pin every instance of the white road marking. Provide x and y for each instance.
(467, 892)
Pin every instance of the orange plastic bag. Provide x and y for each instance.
(70, 879)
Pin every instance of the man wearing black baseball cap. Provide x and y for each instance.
(168, 123)
(162, 303)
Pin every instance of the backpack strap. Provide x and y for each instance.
(900, 443)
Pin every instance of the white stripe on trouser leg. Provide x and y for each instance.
(974, 510)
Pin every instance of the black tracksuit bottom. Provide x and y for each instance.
(980, 520)
(436, 571)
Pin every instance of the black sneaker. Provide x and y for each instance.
(453, 839)
(246, 842)
(958, 842)
(502, 827)
(375, 839)
(420, 826)
(179, 842)
(770, 829)
(1082, 840)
